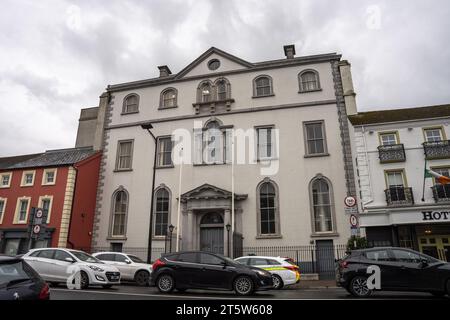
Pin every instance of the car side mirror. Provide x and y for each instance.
(423, 263)
(69, 260)
(224, 264)
(127, 261)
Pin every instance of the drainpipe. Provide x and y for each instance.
(71, 208)
(147, 127)
(366, 154)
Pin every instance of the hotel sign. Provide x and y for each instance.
(435, 215)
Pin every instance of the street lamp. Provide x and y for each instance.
(228, 226)
(148, 126)
(171, 227)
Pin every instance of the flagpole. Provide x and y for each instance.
(179, 203)
(232, 195)
(424, 178)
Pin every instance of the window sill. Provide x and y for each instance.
(5, 187)
(127, 113)
(26, 185)
(165, 167)
(202, 103)
(269, 236)
(325, 235)
(164, 108)
(118, 238)
(308, 91)
(267, 159)
(264, 96)
(49, 184)
(209, 164)
(122, 170)
(20, 223)
(160, 238)
(316, 155)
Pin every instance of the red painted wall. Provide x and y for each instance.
(80, 234)
(16, 191)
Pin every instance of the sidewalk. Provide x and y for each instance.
(315, 284)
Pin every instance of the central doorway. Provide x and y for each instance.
(211, 233)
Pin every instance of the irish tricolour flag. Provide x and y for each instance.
(439, 177)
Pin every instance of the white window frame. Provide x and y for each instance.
(24, 174)
(17, 213)
(159, 152)
(2, 213)
(44, 177)
(41, 205)
(308, 153)
(119, 145)
(10, 174)
(273, 144)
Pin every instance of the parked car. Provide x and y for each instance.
(18, 281)
(52, 264)
(401, 270)
(283, 271)
(204, 270)
(131, 267)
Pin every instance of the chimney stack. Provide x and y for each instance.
(289, 51)
(164, 71)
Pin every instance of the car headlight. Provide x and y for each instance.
(262, 272)
(95, 268)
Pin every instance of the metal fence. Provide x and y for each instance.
(310, 258)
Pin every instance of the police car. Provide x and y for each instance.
(284, 271)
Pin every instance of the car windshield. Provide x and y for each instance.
(135, 259)
(14, 272)
(85, 257)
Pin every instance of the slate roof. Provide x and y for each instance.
(61, 157)
(404, 114)
(7, 162)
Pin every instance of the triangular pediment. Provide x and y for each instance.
(227, 61)
(207, 191)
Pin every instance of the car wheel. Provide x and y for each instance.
(358, 287)
(165, 283)
(277, 282)
(243, 286)
(141, 278)
(107, 286)
(84, 281)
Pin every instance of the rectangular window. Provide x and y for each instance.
(124, 155)
(27, 178)
(433, 135)
(46, 204)
(395, 178)
(2, 209)
(266, 143)
(164, 152)
(5, 179)
(49, 177)
(388, 139)
(396, 185)
(315, 138)
(22, 210)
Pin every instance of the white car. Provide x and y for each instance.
(284, 272)
(131, 267)
(53, 264)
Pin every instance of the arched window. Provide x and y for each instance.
(308, 80)
(131, 104)
(322, 205)
(262, 86)
(223, 89)
(168, 98)
(206, 92)
(119, 218)
(162, 207)
(268, 222)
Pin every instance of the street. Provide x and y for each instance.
(130, 292)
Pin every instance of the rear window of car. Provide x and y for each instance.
(47, 254)
(135, 259)
(273, 262)
(105, 257)
(258, 262)
(377, 255)
(14, 271)
(210, 259)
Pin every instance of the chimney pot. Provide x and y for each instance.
(289, 51)
(164, 71)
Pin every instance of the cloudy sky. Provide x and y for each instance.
(57, 57)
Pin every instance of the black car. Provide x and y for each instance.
(18, 281)
(400, 270)
(204, 270)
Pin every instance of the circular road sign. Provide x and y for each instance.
(353, 220)
(39, 213)
(350, 201)
(37, 229)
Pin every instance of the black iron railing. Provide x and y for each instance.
(441, 192)
(392, 153)
(399, 196)
(437, 150)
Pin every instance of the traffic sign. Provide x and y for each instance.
(39, 213)
(37, 229)
(350, 201)
(353, 221)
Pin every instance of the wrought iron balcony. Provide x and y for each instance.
(437, 150)
(399, 196)
(441, 192)
(392, 153)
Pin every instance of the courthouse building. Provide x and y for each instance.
(294, 111)
(399, 207)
